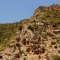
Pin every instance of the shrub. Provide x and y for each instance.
(42, 8)
(20, 28)
(19, 48)
(56, 57)
(28, 50)
(53, 43)
(20, 51)
(24, 58)
(31, 28)
(18, 45)
(18, 39)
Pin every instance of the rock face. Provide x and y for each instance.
(37, 40)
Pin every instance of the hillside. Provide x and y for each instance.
(36, 38)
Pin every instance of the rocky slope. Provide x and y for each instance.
(37, 38)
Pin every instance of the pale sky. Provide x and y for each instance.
(16, 10)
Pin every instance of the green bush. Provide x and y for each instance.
(24, 58)
(20, 51)
(31, 28)
(5, 34)
(56, 57)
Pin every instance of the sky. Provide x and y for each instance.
(16, 10)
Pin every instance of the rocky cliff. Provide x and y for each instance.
(36, 38)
